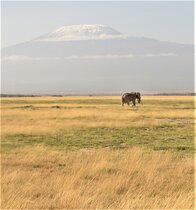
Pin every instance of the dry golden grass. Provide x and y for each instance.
(44, 119)
(36, 176)
(40, 178)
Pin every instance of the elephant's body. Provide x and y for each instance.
(130, 97)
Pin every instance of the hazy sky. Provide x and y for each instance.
(169, 21)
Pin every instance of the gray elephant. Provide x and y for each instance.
(131, 97)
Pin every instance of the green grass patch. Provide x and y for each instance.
(164, 137)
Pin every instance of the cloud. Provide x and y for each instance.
(161, 54)
(168, 54)
(107, 56)
(19, 58)
(150, 55)
(28, 58)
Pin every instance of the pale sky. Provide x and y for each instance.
(167, 21)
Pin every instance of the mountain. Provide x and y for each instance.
(81, 32)
(96, 59)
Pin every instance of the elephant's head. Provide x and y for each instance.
(138, 96)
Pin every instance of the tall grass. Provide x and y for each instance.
(41, 178)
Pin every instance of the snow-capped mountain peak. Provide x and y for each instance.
(81, 32)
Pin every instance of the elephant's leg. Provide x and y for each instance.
(122, 102)
(133, 103)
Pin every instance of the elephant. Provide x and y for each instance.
(131, 97)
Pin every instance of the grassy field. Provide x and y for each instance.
(89, 152)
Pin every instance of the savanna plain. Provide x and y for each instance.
(92, 153)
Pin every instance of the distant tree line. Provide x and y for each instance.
(175, 94)
(17, 95)
(90, 95)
